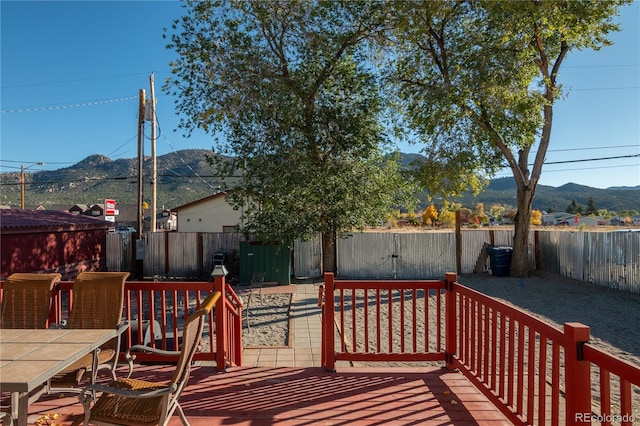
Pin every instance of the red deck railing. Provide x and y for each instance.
(156, 312)
(533, 372)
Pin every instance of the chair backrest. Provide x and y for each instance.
(26, 300)
(98, 298)
(191, 334)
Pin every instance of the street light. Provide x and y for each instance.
(22, 169)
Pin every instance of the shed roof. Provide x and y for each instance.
(22, 220)
(202, 200)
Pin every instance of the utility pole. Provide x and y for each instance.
(154, 173)
(22, 186)
(22, 169)
(141, 114)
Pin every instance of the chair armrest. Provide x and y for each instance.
(122, 327)
(91, 389)
(144, 348)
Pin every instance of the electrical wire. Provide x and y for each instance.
(56, 107)
(215, 188)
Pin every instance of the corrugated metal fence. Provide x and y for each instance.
(610, 259)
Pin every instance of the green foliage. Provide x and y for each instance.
(287, 86)
(591, 207)
(496, 211)
(631, 213)
(447, 218)
(412, 218)
(476, 82)
(479, 215)
(574, 207)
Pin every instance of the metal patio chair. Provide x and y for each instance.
(26, 300)
(26, 303)
(128, 401)
(257, 281)
(98, 299)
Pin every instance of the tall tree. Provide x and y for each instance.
(591, 206)
(289, 88)
(477, 82)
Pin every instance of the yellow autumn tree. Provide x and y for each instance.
(536, 217)
(479, 216)
(430, 215)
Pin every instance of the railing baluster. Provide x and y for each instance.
(378, 322)
(605, 396)
(531, 373)
(542, 379)
(366, 319)
(511, 363)
(555, 385)
(521, 355)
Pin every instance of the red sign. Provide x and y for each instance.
(109, 207)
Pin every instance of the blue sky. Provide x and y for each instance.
(71, 72)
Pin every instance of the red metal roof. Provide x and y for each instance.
(21, 220)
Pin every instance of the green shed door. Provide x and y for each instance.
(274, 261)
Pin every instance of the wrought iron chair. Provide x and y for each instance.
(128, 401)
(98, 299)
(26, 300)
(257, 281)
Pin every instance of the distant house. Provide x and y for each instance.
(96, 210)
(558, 219)
(78, 208)
(166, 220)
(50, 241)
(209, 214)
(590, 221)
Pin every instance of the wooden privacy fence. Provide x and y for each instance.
(609, 259)
(156, 312)
(533, 372)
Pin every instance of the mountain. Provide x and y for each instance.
(182, 177)
(185, 176)
(503, 191)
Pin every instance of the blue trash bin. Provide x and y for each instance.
(500, 260)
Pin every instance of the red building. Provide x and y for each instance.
(50, 241)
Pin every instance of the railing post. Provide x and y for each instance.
(221, 323)
(321, 303)
(328, 323)
(450, 320)
(577, 375)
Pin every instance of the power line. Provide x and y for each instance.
(55, 107)
(592, 159)
(180, 157)
(507, 174)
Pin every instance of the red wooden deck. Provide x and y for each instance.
(311, 396)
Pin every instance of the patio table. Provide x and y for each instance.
(28, 358)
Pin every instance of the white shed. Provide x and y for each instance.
(209, 214)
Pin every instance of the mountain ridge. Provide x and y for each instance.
(185, 176)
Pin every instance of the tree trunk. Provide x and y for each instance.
(520, 255)
(329, 252)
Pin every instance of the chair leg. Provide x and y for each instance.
(182, 416)
(246, 311)
(86, 399)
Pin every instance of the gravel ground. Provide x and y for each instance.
(266, 322)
